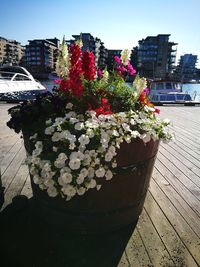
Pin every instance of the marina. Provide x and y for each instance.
(168, 230)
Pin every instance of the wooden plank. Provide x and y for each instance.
(168, 160)
(188, 161)
(136, 251)
(168, 173)
(10, 155)
(27, 190)
(10, 172)
(181, 205)
(156, 249)
(174, 245)
(186, 147)
(17, 184)
(124, 261)
(181, 231)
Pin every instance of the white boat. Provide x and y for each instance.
(17, 84)
(169, 92)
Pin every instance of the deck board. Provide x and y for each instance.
(168, 231)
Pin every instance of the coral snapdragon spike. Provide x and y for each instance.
(75, 70)
(88, 66)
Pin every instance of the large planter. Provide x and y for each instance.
(118, 203)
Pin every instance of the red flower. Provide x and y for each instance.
(104, 108)
(65, 85)
(75, 70)
(88, 66)
(157, 110)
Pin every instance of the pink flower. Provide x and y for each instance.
(131, 70)
(58, 81)
(99, 73)
(117, 59)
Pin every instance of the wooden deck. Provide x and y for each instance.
(168, 232)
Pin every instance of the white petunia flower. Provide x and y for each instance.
(49, 130)
(79, 126)
(52, 192)
(90, 172)
(80, 179)
(98, 187)
(48, 122)
(90, 133)
(69, 190)
(92, 183)
(75, 164)
(59, 163)
(65, 169)
(37, 179)
(49, 182)
(146, 137)
(108, 156)
(108, 175)
(33, 170)
(33, 137)
(81, 191)
(66, 177)
(100, 172)
(62, 156)
(76, 155)
(56, 137)
(55, 149)
(69, 106)
(84, 140)
(84, 172)
(87, 159)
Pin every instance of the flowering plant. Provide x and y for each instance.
(75, 132)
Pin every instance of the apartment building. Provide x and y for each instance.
(41, 55)
(11, 52)
(186, 69)
(156, 56)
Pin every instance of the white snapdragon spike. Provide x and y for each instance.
(139, 84)
(63, 61)
(105, 76)
(125, 56)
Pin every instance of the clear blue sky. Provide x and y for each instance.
(119, 23)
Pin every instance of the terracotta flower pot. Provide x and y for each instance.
(118, 203)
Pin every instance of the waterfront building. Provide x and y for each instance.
(93, 44)
(186, 69)
(11, 52)
(41, 56)
(156, 56)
